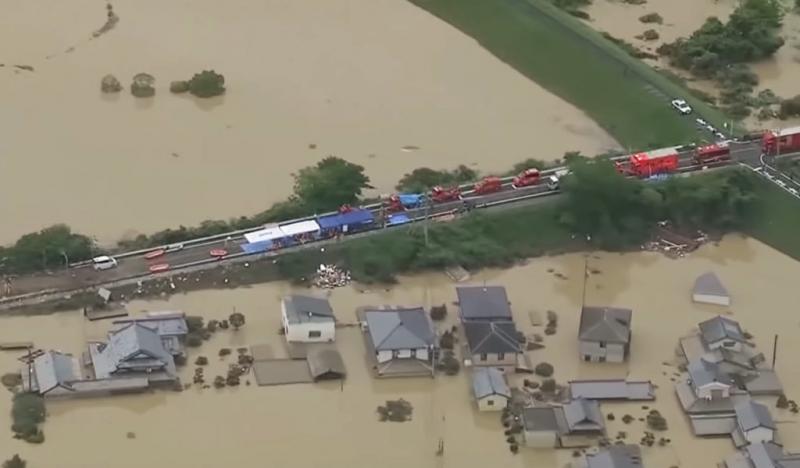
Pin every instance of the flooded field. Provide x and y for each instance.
(327, 424)
(378, 82)
(681, 18)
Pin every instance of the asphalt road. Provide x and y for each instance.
(78, 277)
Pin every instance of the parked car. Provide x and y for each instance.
(173, 248)
(701, 123)
(719, 135)
(682, 106)
(104, 262)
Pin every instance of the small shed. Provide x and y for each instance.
(708, 289)
(325, 364)
(490, 389)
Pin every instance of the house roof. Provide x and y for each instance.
(165, 324)
(612, 389)
(703, 372)
(764, 454)
(397, 329)
(53, 369)
(133, 344)
(719, 328)
(540, 419)
(492, 337)
(582, 415)
(483, 303)
(609, 324)
(616, 456)
(325, 362)
(708, 284)
(751, 415)
(302, 309)
(487, 381)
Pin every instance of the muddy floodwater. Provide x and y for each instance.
(305, 426)
(681, 18)
(378, 82)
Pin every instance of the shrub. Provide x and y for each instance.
(194, 340)
(201, 361)
(224, 352)
(180, 360)
(194, 323)
(27, 412)
(212, 325)
(11, 380)
(15, 462)
(650, 35)
(449, 363)
(206, 84)
(439, 313)
(783, 402)
(178, 87)
(651, 18)
(790, 107)
(655, 421)
(447, 341)
(237, 320)
(544, 369)
(548, 385)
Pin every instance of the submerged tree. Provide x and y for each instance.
(237, 320)
(206, 84)
(15, 462)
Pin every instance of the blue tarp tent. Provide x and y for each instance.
(398, 218)
(351, 219)
(256, 247)
(410, 200)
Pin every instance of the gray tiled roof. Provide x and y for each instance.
(709, 284)
(609, 324)
(398, 329)
(750, 415)
(172, 324)
(323, 362)
(301, 309)
(133, 347)
(483, 303)
(703, 372)
(719, 327)
(492, 337)
(616, 456)
(764, 454)
(488, 381)
(583, 415)
(53, 369)
(540, 419)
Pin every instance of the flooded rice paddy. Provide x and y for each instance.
(378, 82)
(304, 426)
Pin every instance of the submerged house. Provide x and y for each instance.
(51, 374)
(604, 334)
(307, 319)
(490, 389)
(762, 455)
(401, 342)
(171, 327)
(493, 343)
(722, 332)
(754, 424)
(708, 289)
(487, 303)
(135, 350)
(616, 456)
(576, 424)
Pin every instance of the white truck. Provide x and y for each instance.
(554, 180)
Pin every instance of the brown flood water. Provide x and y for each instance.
(781, 73)
(304, 426)
(378, 82)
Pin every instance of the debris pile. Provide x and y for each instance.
(331, 276)
(673, 244)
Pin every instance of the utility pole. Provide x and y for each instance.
(774, 351)
(585, 279)
(66, 259)
(427, 219)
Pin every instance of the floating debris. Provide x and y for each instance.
(331, 276)
(395, 411)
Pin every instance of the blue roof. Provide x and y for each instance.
(255, 247)
(358, 216)
(410, 199)
(398, 218)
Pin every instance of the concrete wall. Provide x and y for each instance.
(711, 299)
(492, 403)
(612, 352)
(541, 439)
(493, 360)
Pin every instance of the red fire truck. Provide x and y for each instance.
(648, 163)
(712, 153)
(782, 141)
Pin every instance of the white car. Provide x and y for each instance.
(701, 123)
(104, 262)
(173, 248)
(681, 106)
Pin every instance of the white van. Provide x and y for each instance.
(104, 262)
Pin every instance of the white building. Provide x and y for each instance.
(708, 289)
(308, 319)
(490, 389)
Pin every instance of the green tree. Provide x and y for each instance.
(15, 462)
(424, 178)
(51, 246)
(207, 83)
(237, 320)
(331, 183)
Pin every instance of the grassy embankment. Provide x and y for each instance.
(622, 94)
(776, 221)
